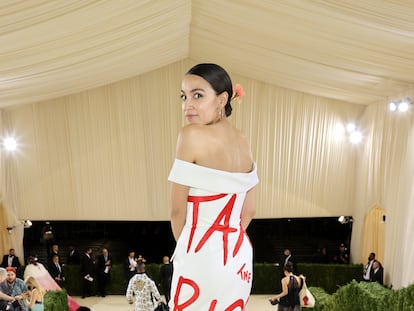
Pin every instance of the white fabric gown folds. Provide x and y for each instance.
(213, 257)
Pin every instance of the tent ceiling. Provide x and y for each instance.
(355, 51)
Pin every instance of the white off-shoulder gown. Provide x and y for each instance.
(213, 257)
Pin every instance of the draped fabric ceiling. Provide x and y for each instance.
(91, 90)
(355, 51)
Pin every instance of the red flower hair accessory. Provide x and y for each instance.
(238, 93)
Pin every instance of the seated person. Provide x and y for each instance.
(377, 272)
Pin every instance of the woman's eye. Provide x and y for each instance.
(197, 95)
(183, 97)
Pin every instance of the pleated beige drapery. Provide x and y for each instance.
(105, 154)
(5, 239)
(373, 239)
(384, 177)
(13, 239)
(11, 229)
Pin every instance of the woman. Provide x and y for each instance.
(212, 199)
(36, 293)
(291, 285)
(38, 271)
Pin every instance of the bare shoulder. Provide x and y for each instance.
(285, 280)
(189, 141)
(191, 130)
(219, 146)
(192, 134)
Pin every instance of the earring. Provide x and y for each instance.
(219, 115)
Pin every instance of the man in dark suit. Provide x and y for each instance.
(56, 271)
(10, 260)
(166, 272)
(73, 256)
(87, 265)
(130, 266)
(287, 257)
(377, 272)
(104, 265)
(54, 252)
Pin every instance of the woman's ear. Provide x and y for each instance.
(223, 99)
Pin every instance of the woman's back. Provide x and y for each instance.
(212, 198)
(292, 298)
(220, 146)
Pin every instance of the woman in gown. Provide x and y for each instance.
(38, 271)
(36, 293)
(213, 198)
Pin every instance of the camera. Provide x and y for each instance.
(273, 302)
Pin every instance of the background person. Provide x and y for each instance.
(54, 251)
(73, 257)
(377, 272)
(130, 266)
(38, 271)
(287, 257)
(342, 257)
(166, 272)
(291, 285)
(366, 276)
(143, 289)
(104, 265)
(56, 270)
(321, 255)
(4, 298)
(87, 270)
(11, 260)
(36, 293)
(14, 287)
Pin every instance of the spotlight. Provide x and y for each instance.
(355, 137)
(27, 224)
(10, 144)
(9, 230)
(401, 105)
(393, 106)
(350, 127)
(344, 219)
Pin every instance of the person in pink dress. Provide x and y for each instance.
(213, 198)
(41, 274)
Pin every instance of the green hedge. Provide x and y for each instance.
(266, 277)
(330, 276)
(56, 301)
(364, 296)
(335, 287)
(321, 297)
(116, 286)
